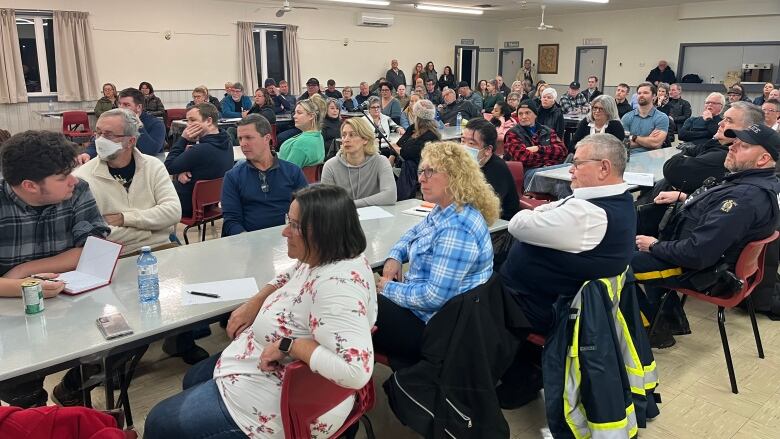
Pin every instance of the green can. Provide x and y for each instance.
(32, 293)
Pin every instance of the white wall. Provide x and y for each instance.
(637, 38)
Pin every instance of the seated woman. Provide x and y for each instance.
(263, 105)
(602, 118)
(407, 116)
(109, 100)
(359, 168)
(492, 97)
(348, 102)
(390, 105)
(517, 87)
(449, 252)
(661, 100)
(447, 79)
(381, 120)
(409, 147)
(308, 147)
(331, 125)
(481, 88)
(513, 99)
(502, 120)
(152, 104)
(319, 311)
(550, 113)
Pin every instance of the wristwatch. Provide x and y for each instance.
(650, 247)
(633, 138)
(286, 344)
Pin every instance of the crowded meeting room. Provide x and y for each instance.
(359, 219)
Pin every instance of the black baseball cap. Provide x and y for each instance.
(270, 81)
(761, 135)
(574, 85)
(529, 104)
(313, 81)
(463, 84)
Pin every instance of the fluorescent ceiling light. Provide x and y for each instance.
(443, 8)
(595, 1)
(364, 2)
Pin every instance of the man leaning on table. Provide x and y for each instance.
(257, 193)
(48, 214)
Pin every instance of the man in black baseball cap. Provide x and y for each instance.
(573, 100)
(312, 88)
(710, 229)
(464, 90)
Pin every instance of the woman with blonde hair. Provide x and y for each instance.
(449, 252)
(407, 116)
(308, 147)
(359, 168)
(109, 100)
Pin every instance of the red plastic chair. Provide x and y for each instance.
(750, 270)
(306, 396)
(172, 114)
(312, 173)
(75, 124)
(274, 142)
(205, 206)
(518, 174)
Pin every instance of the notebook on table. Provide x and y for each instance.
(95, 268)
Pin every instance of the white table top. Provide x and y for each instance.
(66, 330)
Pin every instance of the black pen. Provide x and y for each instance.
(198, 293)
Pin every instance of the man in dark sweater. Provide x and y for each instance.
(621, 99)
(480, 136)
(679, 108)
(700, 129)
(451, 107)
(395, 76)
(662, 73)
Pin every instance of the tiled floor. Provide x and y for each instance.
(697, 400)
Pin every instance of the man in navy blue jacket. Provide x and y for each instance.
(257, 193)
(152, 133)
(203, 152)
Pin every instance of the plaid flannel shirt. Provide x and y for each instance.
(551, 151)
(570, 104)
(450, 253)
(28, 233)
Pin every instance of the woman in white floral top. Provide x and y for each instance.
(321, 311)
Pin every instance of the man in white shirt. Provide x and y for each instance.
(560, 245)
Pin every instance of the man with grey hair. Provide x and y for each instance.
(451, 106)
(588, 235)
(700, 129)
(364, 94)
(395, 76)
(235, 102)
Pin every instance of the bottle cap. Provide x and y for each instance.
(146, 248)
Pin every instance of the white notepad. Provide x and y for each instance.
(95, 268)
(638, 178)
(227, 290)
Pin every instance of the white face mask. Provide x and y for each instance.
(106, 148)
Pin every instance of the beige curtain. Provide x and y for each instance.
(12, 88)
(247, 61)
(293, 60)
(74, 53)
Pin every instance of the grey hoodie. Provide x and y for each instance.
(370, 184)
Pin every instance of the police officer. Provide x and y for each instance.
(710, 228)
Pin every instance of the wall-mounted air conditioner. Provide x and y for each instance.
(371, 19)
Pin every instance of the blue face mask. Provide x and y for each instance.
(473, 152)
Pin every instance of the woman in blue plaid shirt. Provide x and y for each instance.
(449, 253)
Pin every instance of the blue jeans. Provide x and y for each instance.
(197, 412)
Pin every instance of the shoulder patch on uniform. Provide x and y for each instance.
(728, 205)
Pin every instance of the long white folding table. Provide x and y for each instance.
(66, 335)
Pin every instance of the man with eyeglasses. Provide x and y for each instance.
(708, 230)
(451, 106)
(432, 93)
(702, 128)
(256, 193)
(771, 109)
(588, 235)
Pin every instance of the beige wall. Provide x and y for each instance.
(636, 39)
(130, 46)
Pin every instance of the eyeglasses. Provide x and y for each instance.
(109, 136)
(712, 103)
(385, 89)
(577, 163)
(595, 108)
(264, 186)
(375, 107)
(427, 172)
(294, 225)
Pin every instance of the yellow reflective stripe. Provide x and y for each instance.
(608, 425)
(662, 274)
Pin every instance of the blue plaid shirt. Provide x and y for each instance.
(449, 253)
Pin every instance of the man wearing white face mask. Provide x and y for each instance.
(133, 191)
(479, 137)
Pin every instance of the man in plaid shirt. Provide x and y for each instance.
(47, 215)
(532, 143)
(573, 100)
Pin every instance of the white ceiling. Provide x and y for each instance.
(501, 9)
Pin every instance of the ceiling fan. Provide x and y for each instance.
(287, 8)
(543, 26)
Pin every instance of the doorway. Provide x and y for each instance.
(510, 61)
(467, 64)
(591, 61)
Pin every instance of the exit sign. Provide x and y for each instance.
(511, 44)
(467, 41)
(592, 42)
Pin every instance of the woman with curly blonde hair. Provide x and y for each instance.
(450, 251)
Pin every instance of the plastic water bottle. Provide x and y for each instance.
(148, 282)
(51, 105)
(458, 120)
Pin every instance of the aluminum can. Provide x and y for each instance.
(32, 293)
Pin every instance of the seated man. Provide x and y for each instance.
(465, 92)
(647, 124)
(531, 143)
(593, 89)
(203, 152)
(48, 214)
(710, 229)
(312, 88)
(679, 108)
(283, 101)
(688, 170)
(257, 192)
(331, 91)
(151, 137)
(432, 93)
(450, 108)
(364, 93)
(235, 102)
(771, 109)
(560, 245)
(200, 95)
(701, 129)
(621, 94)
(573, 100)
(480, 138)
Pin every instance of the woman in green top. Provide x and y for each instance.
(307, 148)
(492, 97)
(108, 101)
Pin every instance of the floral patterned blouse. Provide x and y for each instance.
(335, 305)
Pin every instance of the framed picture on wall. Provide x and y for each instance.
(548, 59)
